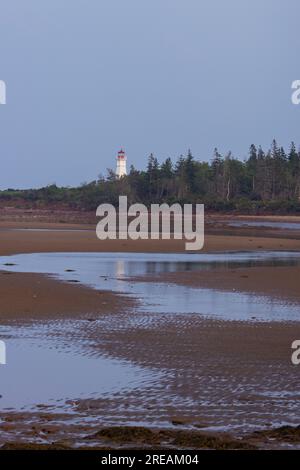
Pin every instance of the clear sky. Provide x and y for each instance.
(85, 77)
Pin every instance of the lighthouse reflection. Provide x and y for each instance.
(120, 269)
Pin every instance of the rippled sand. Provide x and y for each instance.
(202, 375)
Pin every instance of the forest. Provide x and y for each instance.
(266, 181)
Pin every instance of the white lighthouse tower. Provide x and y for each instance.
(121, 164)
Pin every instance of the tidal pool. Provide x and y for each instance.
(113, 271)
(41, 371)
(44, 369)
(266, 224)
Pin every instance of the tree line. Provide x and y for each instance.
(265, 181)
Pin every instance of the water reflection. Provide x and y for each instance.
(37, 372)
(113, 271)
(266, 224)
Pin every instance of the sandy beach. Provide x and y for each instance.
(149, 230)
(191, 352)
(34, 296)
(281, 283)
(22, 238)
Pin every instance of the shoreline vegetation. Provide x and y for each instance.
(266, 182)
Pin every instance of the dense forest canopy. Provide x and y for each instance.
(265, 181)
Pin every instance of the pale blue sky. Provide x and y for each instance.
(85, 77)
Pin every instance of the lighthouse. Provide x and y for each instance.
(121, 164)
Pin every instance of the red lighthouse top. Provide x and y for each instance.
(121, 155)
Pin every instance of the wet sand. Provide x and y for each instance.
(194, 354)
(279, 282)
(220, 380)
(271, 218)
(33, 296)
(71, 238)
(230, 375)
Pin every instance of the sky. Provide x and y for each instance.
(87, 77)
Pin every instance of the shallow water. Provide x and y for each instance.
(45, 230)
(113, 271)
(266, 224)
(47, 372)
(42, 368)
